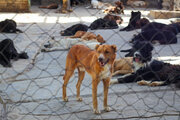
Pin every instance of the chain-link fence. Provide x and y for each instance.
(31, 89)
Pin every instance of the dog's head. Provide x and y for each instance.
(106, 54)
(142, 22)
(136, 15)
(100, 39)
(143, 52)
(119, 4)
(142, 48)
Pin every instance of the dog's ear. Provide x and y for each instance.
(97, 46)
(114, 48)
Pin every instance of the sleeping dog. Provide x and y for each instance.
(150, 72)
(73, 29)
(158, 33)
(9, 26)
(8, 52)
(88, 36)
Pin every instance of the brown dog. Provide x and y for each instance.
(142, 22)
(51, 6)
(123, 66)
(88, 36)
(98, 63)
(117, 9)
(116, 18)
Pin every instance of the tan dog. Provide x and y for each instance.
(98, 63)
(88, 36)
(136, 3)
(123, 66)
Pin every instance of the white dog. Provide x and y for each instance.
(66, 43)
(99, 5)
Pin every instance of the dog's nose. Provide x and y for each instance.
(137, 55)
(100, 59)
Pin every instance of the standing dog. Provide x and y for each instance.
(98, 63)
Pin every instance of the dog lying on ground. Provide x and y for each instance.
(9, 26)
(116, 18)
(117, 9)
(73, 29)
(136, 3)
(123, 66)
(173, 27)
(97, 4)
(67, 43)
(150, 72)
(88, 36)
(135, 16)
(135, 22)
(156, 37)
(51, 6)
(159, 33)
(98, 63)
(103, 24)
(8, 52)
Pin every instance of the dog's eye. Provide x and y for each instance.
(106, 52)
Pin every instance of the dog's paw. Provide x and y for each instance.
(113, 81)
(79, 99)
(107, 109)
(96, 111)
(142, 82)
(65, 99)
(157, 83)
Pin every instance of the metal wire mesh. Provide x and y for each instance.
(32, 88)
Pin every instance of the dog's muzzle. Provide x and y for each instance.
(137, 57)
(102, 61)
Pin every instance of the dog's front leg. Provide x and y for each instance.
(94, 95)
(106, 86)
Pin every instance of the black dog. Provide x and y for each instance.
(158, 32)
(103, 24)
(138, 46)
(156, 36)
(73, 29)
(8, 52)
(135, 16)
(9, 26)
(150, 72)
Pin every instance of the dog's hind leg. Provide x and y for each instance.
(81, 73)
